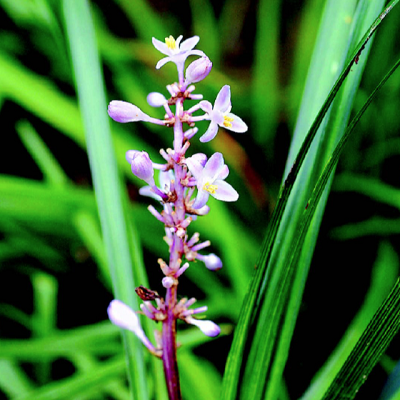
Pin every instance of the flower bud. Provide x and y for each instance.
(130, 155)
(156, 99)
(168, 281)
(122, 111)
(198, 70)
(142, 167)
(123, 316)
(209, 328)
(212, 261)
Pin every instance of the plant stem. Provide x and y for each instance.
(169, 324)
(169, 346)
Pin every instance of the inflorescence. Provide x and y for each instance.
(185, 184)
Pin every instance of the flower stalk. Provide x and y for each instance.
(185, 184)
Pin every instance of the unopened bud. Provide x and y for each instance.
(156, 99)
(142, 167)
(198, 70)
(209, 328)
(124, 317)
(122, 111)
(130, 155)
(168, 281)
(212, 261)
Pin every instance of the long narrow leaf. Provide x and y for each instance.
(372, 344)
(104, 171)
(249, 310)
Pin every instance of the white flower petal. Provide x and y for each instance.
(201, 199)
(213, 166)
(225, 191)
(161, 46)
(189, 43)
(163, 61)
(238, 125)
(210, 133)
(195, 167)
(223, 100)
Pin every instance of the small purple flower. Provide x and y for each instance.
(210, 180)
(124, 317)
(208, 327)
(122, 111)
(176, 51)
(220, 115)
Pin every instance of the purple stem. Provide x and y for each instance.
(169, 324)
(169, 346)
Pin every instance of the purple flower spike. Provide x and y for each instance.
(176, 51)
(220, 115)
(122, 111)
(209, 328)
(210, 180)
(141, 166)
(124, 317)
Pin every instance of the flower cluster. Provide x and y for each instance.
(184, 186)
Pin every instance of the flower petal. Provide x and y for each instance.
(195, 167)
(223, 100)
(165, 178)
(210, 133)
(206, 106)
(188, 44)
(223, 172)
(238, 125)
(161, 46)
(194, 53)
(163, 61)
(149, 192)
(201, 158)
(212, 167)
(201, 199)
(225, 192)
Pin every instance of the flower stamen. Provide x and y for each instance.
(210, 188)
(170, 42)
(227, 121)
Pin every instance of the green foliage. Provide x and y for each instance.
(308, 292)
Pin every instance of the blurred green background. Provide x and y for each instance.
(55, 286)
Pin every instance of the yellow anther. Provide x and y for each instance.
(227, 121)
(170, 42)
(210, 188)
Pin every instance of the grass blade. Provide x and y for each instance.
(106, 178)
(258, 286)
(372, 344)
